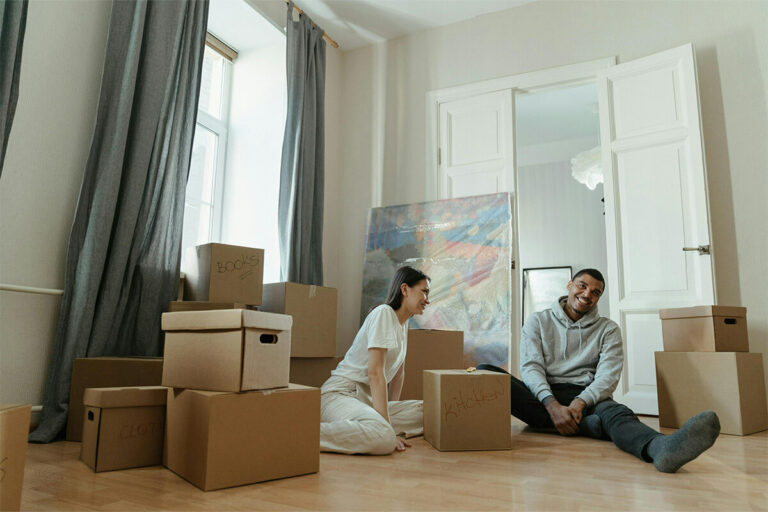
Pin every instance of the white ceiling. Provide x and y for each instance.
(557, 114)
(357, 23)
(241, 26)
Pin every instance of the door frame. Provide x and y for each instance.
(539, 80)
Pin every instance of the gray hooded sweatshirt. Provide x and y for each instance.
(555, 349)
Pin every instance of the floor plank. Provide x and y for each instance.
(541, 472)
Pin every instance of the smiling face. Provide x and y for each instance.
(416, 297)
(583, 294)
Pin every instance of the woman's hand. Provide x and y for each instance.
(402, 444)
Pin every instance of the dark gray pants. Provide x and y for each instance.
(620, 424)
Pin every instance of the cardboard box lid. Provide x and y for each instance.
(697, 311)
(139, 396)
(465, 372)
(291, 387)
(309, 287)
(225, 319)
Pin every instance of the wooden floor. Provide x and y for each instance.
(541, 472)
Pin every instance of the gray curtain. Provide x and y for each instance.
(123, 258)
(13, 22)
(302, 171)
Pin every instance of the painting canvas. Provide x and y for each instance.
(464, 245)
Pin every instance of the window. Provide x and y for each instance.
(202, 205)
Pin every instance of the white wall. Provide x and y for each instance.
(551, 233)
(48, 147)
(254, 149)
(357, 134)
(732, 58)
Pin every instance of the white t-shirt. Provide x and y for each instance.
(381, 329)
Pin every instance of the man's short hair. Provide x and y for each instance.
(594, 273)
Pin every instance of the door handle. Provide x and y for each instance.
(703, 249)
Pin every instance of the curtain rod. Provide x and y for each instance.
(326, 36)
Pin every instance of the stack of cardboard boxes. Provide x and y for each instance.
(706, 365)
(232, 416)
(226, 414)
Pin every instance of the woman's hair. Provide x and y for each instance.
(407, 275)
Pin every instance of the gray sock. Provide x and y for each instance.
(669, 453)
(591, 426)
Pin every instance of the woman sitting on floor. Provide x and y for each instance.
(359, 409)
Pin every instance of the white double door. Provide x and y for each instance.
(657, 213)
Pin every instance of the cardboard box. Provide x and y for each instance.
(705, 329)
(224, 273)
(312, 371)
(729, 383)
(216, 440)
(123, 427)
(467, 410)
(226, 350)
(14, 429)
(192, 305)
(104, 372)
(430, 349)
(313, 309)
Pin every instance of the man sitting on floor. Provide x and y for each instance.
(571, 360)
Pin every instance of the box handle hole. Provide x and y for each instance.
(268, 338)
(90, 416)
(730, 321)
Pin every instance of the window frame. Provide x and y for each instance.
(220, 127)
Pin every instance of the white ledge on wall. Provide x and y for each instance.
(29, 289)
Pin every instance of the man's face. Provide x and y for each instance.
(583, 294)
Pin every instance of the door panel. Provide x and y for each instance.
(656, 204)
(476, 145)
(640, 117)
(649, 185)
(643, 338)
(474, 135)
(475, 184)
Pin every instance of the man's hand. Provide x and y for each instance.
(577, 408)
(563, 418)
(402, 444)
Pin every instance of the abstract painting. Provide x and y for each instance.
(465, 246)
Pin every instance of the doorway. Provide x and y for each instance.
(559, 192)
(657, 230)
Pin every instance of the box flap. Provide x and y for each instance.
(290, 388)
(202, 320)
(267, 321)
(309, 289)
(139, 396)
(225, 319)
(696, 311)
(464, 372)
(433, 331)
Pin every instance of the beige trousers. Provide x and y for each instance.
(350, 424)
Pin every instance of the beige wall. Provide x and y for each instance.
(48, 147)
(731, 44)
